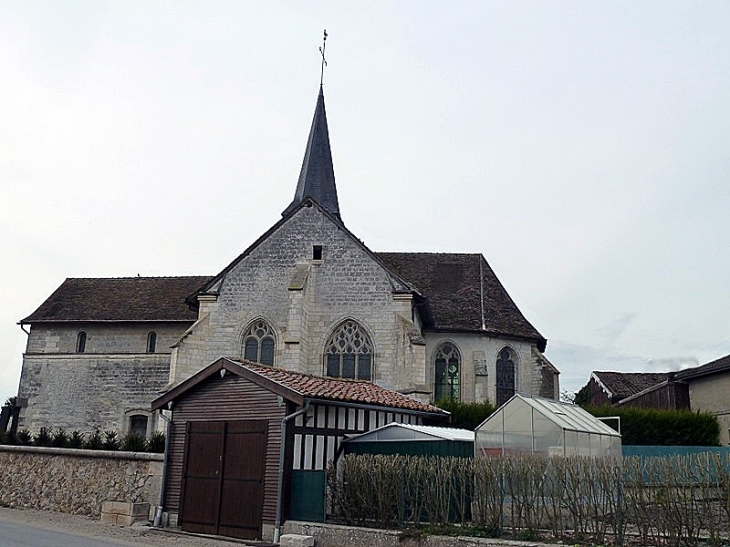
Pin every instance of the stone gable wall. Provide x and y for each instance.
(346, 283)
(76, 481)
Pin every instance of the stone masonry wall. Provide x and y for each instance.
(96, 389)
(346, 283)
(76, 481)
(86, 392)
(479, 355)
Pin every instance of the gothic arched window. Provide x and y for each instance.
(349, 352)
(505, 376)
(258, 343)
(447, 364)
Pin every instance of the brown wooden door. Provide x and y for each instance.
(223, 490)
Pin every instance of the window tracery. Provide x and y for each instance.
(259, 343)
(349, 352)
(447, 363)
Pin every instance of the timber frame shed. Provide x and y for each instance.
(248, 444)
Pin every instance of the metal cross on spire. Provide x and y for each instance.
(324, 61)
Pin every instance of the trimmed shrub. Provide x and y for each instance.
(643, 426)
(466, 415)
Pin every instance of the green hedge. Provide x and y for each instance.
(466, 415)
(641, 426)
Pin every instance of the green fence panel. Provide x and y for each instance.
(308, 496)
(654, 451)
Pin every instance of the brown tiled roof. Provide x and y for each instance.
(626, 384)
(120, 299)
(336, 389)
(453, 284)
(296, 387)
(719, 365)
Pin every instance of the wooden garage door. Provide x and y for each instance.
(223, 479)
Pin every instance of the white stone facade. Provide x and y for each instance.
(304, 300)
(114, 378)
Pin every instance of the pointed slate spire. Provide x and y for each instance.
(317, 177)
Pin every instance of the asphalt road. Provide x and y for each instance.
(34, 528)
(22, 535)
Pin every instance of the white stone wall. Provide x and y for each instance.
(99, 388)
(479, 351)
(102, 337)
(304, 300)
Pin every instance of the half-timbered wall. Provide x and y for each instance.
(317, 442)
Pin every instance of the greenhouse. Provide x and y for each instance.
(533, 425)
(412, 440)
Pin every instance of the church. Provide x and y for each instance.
(307, 296)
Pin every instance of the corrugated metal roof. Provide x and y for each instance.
(407, 432)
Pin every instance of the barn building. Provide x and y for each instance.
(249, 444)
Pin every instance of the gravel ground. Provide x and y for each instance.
(132, 535)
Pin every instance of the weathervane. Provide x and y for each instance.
(324, 61)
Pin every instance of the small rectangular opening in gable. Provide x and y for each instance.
(316, 252)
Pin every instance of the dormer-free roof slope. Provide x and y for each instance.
(119, 299)
(317, 177)
(620, 385)
(463, 293)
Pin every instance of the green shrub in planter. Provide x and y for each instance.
(156, 442)
(43, 437)
(76, 440)
(94, 442)
(59, 439)
(22, 437)
(111, 441)
(132, 442)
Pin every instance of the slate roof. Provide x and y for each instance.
(718, 365)
(296, 387)
(458, 286)
(119, 299)
(317, 176)
(626, 384)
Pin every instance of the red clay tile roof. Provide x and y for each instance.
(120, 299)
(336, 389)
(718, 365)
(626, 384)
(453, 283)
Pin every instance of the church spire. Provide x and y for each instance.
(317, 177)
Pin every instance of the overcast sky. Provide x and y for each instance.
(582, 147)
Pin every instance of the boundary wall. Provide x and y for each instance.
(69, 480)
